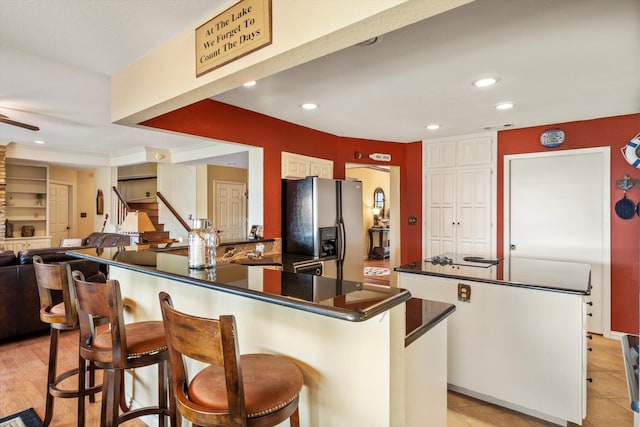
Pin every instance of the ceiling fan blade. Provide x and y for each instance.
(4, 119)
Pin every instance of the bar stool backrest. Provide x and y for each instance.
(55, 277)
(210, 341)
(100, 303)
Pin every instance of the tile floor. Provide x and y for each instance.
(607, 403)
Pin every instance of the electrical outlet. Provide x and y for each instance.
(464, 292)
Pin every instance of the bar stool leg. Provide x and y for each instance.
(123, 399)
(51, 375)
(294, 420)
(111, 381)
(81, 386)
(162, 394)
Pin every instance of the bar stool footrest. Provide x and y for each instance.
(55, 391)
(140, 412)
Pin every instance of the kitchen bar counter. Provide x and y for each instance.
(351, 301)
(358, 345)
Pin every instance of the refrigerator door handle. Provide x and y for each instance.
(342, 240)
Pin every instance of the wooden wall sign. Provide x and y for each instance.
(241, 29)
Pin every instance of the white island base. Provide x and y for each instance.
(354, 372)
(523, 348)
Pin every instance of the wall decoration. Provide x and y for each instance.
(241, 29)
(99, 203)
(631, 151)
(552, 138)
(27, 231)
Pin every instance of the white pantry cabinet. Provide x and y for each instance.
(458, 196)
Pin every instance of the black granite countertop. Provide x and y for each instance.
(346, 300)
(548, 275)
(423, 315)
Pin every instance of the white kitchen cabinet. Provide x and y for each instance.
(19, 244)
(472, 151)
(521, 348)
(458, 197)
(299, 166)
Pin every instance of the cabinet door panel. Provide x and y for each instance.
(322, 169)
(440, 154)
(474, 211)
(475, 151)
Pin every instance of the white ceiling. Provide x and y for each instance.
(556, 60)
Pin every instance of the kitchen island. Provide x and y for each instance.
(361, 364)
(518, 338)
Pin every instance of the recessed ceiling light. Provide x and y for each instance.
(485, 82)
(37, 141)
(504, 106)
(433, 127)
(309, 106)
(250, 84)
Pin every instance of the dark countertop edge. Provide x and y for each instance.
(403, 269)
(246, 242)
(335, 312)
(426, 327)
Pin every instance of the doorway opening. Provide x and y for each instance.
(378, 207)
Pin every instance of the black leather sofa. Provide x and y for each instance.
(19, 299)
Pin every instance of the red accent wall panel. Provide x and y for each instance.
(612, 132)
(211, 119)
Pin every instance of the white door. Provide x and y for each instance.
(441, 212)
(230, 207)
(557, 207)
(473, 222)
(458, 205)
(58, 213)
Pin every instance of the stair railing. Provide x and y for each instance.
(173, 211)
(122, 208)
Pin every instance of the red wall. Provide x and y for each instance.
(612, 132)
(220, 121)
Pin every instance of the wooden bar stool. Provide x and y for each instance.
(234, 390)
(121, 347)
(62, 316)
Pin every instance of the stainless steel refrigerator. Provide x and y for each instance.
(322, 221)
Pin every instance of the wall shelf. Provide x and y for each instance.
(24, 182)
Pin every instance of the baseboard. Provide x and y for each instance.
(508, 405)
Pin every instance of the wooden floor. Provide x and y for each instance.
(23, 376)
(23, 368)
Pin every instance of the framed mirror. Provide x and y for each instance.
(378, 199)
